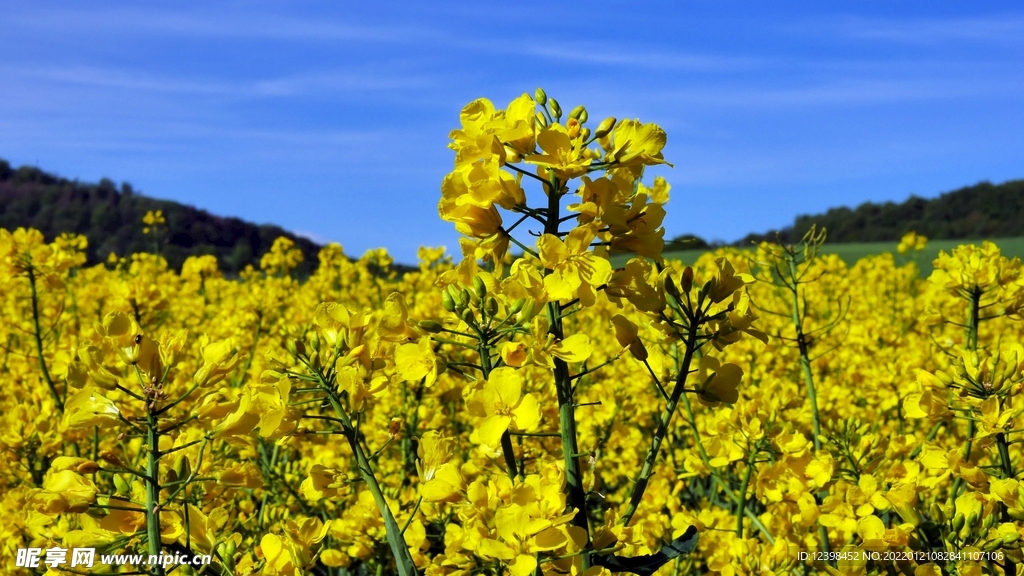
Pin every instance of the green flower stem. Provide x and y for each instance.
(659, 436)
(38, 334)
(403, 558)
(507, 450)
(971, 337)
(805, 358)
(805, 367)
(153, 488)
(576, 494)
(742, 508)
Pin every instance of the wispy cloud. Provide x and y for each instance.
(610, 55)
(207, 24)
(1009, 28)
(293, 85)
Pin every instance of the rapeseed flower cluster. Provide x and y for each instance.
(524, 406)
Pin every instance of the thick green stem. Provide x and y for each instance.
(576, 495)
(742, 508)
(38, 333)
(754, 520)
(805, 359)
(403, 558)
(666, 418)
(153, 488)
(971, 343)
(507, 450)
(805, 366)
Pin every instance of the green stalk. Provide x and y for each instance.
(576, 495)
(38, 333)
(666, 418)
(805, 366)
(506, 439)
(403, 558)
(153, 488)
(754, 520)
(805, 359)
(742, 508)
(973, 309)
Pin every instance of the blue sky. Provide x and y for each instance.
(331, 119)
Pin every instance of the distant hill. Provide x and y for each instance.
(111, 218)
(984, 210)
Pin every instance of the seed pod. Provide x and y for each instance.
(431, 326)
(540, 97)
(605, 127)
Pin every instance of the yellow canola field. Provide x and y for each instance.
(765, 413)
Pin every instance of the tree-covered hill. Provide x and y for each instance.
(111, 218)
(984, 210)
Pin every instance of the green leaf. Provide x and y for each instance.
(648, 564)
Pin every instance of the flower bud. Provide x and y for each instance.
(314, 341)
(88, 467)
(990, 521)
(395, 427)
(542, 120)
(585, 134)
(479, 287)
(430, 326)
(686, 282)
(183, 467)
(972, 520)
(958, 521)
(528, 311)
(468, 317)
(517, 306)
(605, 127)
(111, 458)
(579, 113)
(991, 545)
(540, 96)
(491, 306)
(447, 302)
(121, 485)
(555, 109)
